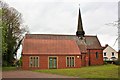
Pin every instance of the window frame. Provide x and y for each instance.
(48, 61)
(70, 62)
(105, 53)
(35, 60)
(113, 54)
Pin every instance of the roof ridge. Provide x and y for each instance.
(53, 34)
(51, 39)
(62, 35)
(90, 35)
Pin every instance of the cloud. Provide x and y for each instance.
(94, 19)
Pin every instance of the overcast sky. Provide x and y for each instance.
(61, 17)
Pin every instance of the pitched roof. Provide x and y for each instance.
(107, 48)
(59, 44)
(49, 36)
(51, 47)
(91, 41)
(82, 45)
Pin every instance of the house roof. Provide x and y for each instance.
(105, 46)
(59, 44)
(51, 47)
(91, 41)
(109, 48)
(82, 45)
(49, 36)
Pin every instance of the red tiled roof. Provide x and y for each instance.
(92, 42)
(49, 36)
(58, 44)
(51, 47)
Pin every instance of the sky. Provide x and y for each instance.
(119, 26)
(61, 17)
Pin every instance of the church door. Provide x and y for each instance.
(52, 62)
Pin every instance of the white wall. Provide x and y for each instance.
(109, 51)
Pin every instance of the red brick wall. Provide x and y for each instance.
(93, 59)
(77, 62)
(62, 62)
(43, 62)
(25, 62)
(85, 59)
(83, 62)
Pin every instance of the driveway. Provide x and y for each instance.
(30, 74)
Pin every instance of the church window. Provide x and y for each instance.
(70, 61)
(97, 55)
(34, 61)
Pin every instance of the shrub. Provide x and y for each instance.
(105, 62)
(117, 62)
(4, 63)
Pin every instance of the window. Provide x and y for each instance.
(34, 61)
(112, 53)
(96, 55)
(104, 53)
(70, 61)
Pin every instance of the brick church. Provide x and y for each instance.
(51, 51)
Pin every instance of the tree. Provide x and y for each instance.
(12, 32)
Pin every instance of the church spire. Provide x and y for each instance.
(80, 32)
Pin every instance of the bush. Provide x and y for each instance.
(105, 62)
(4, 63)
(117, 62)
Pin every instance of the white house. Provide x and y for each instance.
(109, 54)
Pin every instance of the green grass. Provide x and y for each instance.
(8, 68)
(104, 71)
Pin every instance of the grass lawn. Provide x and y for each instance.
(104, 71)
(8, 68)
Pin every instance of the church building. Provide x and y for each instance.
(51, 51)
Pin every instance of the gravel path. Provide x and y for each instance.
(30, 74)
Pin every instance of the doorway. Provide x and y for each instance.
(52, 62)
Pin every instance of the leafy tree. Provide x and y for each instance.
(12, 32)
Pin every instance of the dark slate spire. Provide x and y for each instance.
(80, 32)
